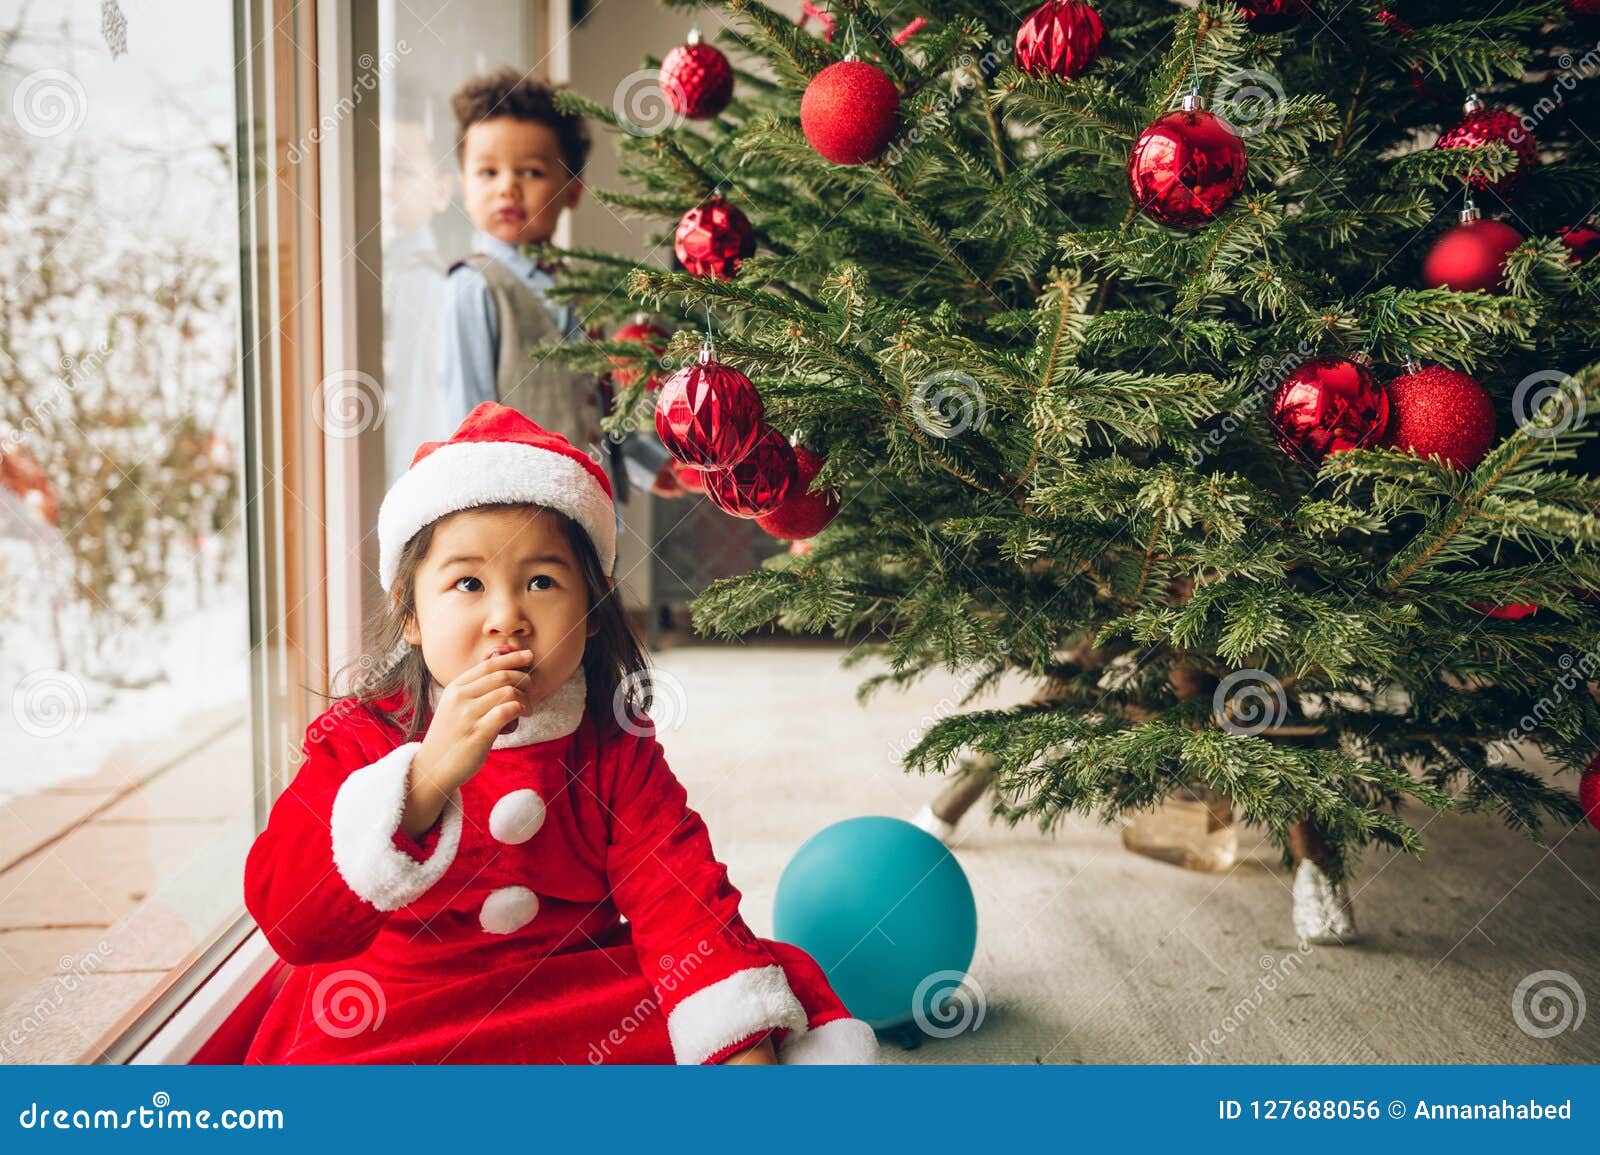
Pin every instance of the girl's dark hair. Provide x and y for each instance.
(612, 658)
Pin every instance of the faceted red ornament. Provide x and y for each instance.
(1272, 15)
(1485, 125)
(647, 333)
(1434, 411)
(697, 80)
(692, 479)
(850, 111)
(1328, 404)
(1186, 167)
(713, 238)
(1060, 38)
(708, 414)
(1509, 612)
(1582, 241)
(1470, 257)
(803, 514)
(1589, 789)
(759, 483)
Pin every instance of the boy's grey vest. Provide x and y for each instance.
(538, 385)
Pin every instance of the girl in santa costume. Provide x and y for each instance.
(450, 870)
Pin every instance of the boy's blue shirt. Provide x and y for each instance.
(470, 345)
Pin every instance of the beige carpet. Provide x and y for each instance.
(1089, 954)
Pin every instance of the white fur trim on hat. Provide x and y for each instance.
(367, 812)
(465, 474)
(743, 1004)
(836, 1042)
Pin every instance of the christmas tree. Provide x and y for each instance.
(1224, 371)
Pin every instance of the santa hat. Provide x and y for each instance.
(496, 456)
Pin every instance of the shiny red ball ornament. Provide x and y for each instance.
(1061, 38)
(1327, 405)
(1186, 167)
(1484, 125)
(696, 79)
(692, 479)
(644, 332)
(1470, 257)
(803, 514)
(1589, 793)
(1272, 15)
(850, 112)
(708, 415)
(713, 238)
(759, 484)
(1582, 241)
(1507, 612)
(1438, 412)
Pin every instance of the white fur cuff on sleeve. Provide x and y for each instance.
(838, 1042)
(730, 1009)
(367, 813)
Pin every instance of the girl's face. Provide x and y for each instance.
(496, 580)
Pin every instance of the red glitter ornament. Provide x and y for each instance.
(645, 332)
(1061, 38)
(1327, 405)
(1186, 167)
(1589, 793)
(713, 238)
(802, 514)
(1582, 241)
(1272, 15)
(850, 111)
(760, 482)
(1434, 411)
(1484, 125)
(1470, 257)
(708, 415)
(697, 79)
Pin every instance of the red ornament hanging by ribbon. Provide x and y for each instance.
(1481, 124)
(696, 79)
(850, 112)
(1470, 257)
(803, 514)
(709, 414)
(1439, 412)
(647, 333)
(1186, 167)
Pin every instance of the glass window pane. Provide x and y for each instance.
(125, 785)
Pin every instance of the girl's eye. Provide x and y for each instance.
(466, 579)
(549, 582)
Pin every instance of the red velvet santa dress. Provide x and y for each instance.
(499, 938)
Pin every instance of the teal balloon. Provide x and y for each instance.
(886, 910)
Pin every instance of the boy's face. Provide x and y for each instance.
(496, 580)
(514, 181)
